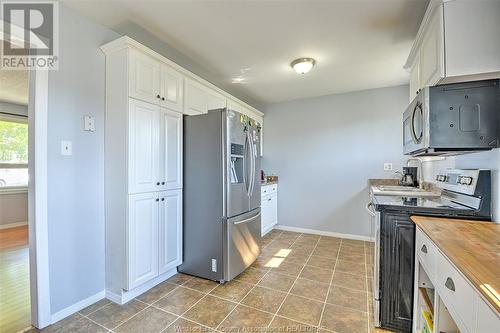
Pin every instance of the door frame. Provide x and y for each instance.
(37, 190)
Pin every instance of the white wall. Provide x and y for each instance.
(324, 149)
(483, 160)
(76, 183)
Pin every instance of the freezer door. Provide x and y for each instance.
(237, 163)
(242, 243)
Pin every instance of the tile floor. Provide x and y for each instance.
(300, 282)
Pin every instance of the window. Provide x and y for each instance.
(13, 151)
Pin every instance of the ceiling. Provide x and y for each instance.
(358, 44)
(14, 86)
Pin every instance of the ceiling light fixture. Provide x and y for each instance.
(303, 65)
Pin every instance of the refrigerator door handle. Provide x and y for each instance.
(245, 162)
(252, 165)
(247, 220)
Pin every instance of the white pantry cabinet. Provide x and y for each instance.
(457, 41)
(269, 207)
(170, 230)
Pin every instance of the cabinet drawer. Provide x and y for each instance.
(268, 189)
(488, 320)
(427, 253)
(456, 293)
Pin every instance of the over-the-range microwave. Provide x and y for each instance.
(452, 119)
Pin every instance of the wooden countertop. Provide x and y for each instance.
(473, 247)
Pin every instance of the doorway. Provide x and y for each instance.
(15, 303)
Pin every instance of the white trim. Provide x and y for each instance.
(37, 199)
(13, 225)
(131, 294)
(323, 233)
(13, 190)
(66, 312)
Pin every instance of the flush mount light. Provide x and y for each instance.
(303, 65)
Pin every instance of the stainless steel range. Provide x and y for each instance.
(465, 194)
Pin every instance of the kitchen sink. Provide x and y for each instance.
(402, 191)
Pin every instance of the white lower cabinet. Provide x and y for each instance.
(154, 235)
(269, 208)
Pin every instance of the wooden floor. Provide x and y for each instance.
(14, 280)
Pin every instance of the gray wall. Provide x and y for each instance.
(483, 160)
(76, 183)
(324, 150)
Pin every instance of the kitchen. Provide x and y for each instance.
(181, 232)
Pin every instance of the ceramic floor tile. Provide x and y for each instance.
(251, 275)
(349, 281)
(353, 242)
(282, 325)
(352, 250)
(296, 258)
(350, 256)
(113, 314)
(201, 285)
(277, 281)
(310, 289)
(288, 268)
(210, 311)
(330, 252)
(179, 300)
(321, 262)
(349, 298)
(344, 320)
(245, 319)
(232, 290)
(180, 278)
(150, 320)
(157, 292)
(91, 308)
(317, 274)
(73, 324)
(351, 267)
(301, 309)
(264, 299)
(183, 325)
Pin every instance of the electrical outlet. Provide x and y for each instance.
(88, 123)
(66, 148)
(387, 166)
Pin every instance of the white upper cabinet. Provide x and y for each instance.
(170, 230)
(142, 233)
(143, 147)
(215, 100)
(200, 98)
(144, 72)
(171, 150)
(171, 88)
(457, 41)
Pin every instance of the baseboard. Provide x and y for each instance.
(323, 233)
(76, 307)
(13, 225)
(126, 296)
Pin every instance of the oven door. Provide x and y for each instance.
(415, 128)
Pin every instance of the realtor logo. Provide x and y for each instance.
(30, 35)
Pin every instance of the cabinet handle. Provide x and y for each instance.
(450, 284)
(158, 96)
(162, 199)
(158, 183)
(269, 199)
(424, 249)
(157, 199)
(163, 183)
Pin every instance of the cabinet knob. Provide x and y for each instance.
(424, 249)
(269, 199)
(158, 96)
(157, 199)
(450, 284)
(163, 183)
(163, 98)
(158, 183)
(162, 199)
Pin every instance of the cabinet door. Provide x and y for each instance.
(170, 150)
(274, 209)
(142, 234)
(414, 79)
(171, 87)
(195, 98)
(143, 147)
(170, 230)
(432, 51)
(266, 213)
(144, 78)
(215, 100)
(397, 258)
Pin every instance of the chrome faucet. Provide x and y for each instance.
(420, 171)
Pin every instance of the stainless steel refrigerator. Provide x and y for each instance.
(221, 212)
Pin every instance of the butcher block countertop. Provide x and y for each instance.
(473, 247)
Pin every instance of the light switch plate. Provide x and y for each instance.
(66, 148)
(88, 123)
(387, 166)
